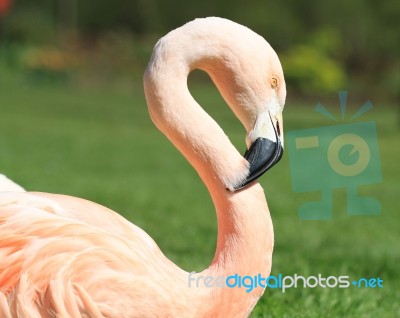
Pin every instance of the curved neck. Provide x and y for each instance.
(181, 118)
(245, 234)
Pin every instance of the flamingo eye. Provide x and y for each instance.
(274, 82)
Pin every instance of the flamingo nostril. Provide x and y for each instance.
(278, 129)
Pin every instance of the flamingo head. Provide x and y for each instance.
(261, 113)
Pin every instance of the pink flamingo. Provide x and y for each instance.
(62, 256)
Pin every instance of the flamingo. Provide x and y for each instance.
(62, 256)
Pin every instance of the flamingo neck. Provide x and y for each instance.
(245, 234)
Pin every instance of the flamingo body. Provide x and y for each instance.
(54, 256)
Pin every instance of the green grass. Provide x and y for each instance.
(100, 144)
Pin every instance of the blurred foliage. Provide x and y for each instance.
(47, 59)
(315, 66)
(29, 25)
(324, 45)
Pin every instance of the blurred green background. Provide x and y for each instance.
(73, 120)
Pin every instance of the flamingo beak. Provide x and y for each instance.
(262, 155)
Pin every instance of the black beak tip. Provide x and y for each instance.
(262, 155)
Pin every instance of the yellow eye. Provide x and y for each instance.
(274, 82)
